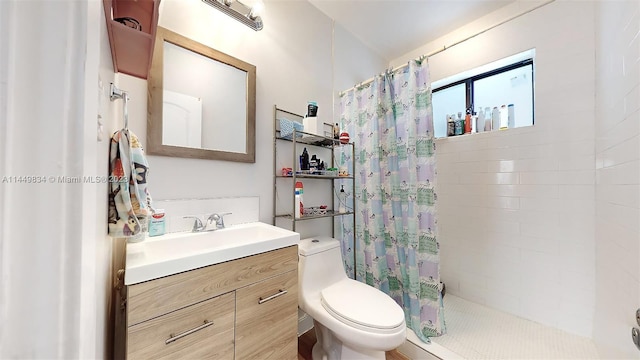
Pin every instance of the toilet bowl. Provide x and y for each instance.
(352, 320)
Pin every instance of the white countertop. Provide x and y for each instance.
(174, 253)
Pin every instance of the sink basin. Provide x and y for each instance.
(170, 254)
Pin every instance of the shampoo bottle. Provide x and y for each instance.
(511, 122)
(487, 119)
(495, 118)
(467, 122)
(504, 117)
(480, 120)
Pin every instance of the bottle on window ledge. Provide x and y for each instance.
(467, 122)
(480, 120)
(451, 126)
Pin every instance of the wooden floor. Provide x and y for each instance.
(308, 339)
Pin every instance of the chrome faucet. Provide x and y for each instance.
(197, 224)
(218, 218)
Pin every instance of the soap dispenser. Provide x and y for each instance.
(342, 198)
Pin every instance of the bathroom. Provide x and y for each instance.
(541, 222)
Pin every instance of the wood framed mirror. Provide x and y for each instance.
(201, 102)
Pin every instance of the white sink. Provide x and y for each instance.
(170, 254)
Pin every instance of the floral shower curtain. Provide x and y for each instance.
(390, 121)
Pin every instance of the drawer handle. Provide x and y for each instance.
(173, 337)
(279, 293)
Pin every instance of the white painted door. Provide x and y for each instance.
(182, 120)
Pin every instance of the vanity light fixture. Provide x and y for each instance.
(239, 11)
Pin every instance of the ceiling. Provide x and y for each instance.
(393, 28)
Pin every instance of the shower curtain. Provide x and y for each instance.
(390, 122)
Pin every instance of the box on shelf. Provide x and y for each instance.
(314, 125)
(287, 126)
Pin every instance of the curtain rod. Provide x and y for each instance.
(452, 45)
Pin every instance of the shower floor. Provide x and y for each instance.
(478, 332)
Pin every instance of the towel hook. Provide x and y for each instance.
(120, 94)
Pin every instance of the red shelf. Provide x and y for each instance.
(132, 49)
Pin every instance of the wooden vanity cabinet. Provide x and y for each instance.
(201, 331)
(267, 319)
(241, 309)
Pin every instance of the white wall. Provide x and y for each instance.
(516, 207)
(292, 55)
(617, 177)
(105, 245)
(294, 60)
(354, 63)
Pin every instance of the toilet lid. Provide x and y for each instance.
(361, 305)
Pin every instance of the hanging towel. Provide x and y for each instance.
(129, 199)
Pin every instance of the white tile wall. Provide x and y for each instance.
(617, 158)
(517, 207)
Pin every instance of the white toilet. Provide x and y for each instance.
(352, 320)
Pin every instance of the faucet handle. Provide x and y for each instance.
(197, 224)
(218, 218)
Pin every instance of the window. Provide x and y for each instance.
(482, 91)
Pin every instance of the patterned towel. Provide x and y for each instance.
(129, 199)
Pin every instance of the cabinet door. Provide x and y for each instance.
(200, 331)
(267, 319)
(154, 298)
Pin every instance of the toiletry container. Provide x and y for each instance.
(487, 119)
(305, 160)
(511, 122)
(157, 223)
(504, 115)
(480, 120)
(474, 123)
(451, 126)
(312, 109)
(299, 207)
(459, 125)
(342, 199)
(495, 118)
(467, 122)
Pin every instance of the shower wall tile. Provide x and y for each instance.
(576, 192)
(539, 177)
(537, 303)
(517, 208)
(542, 221)
(501, 202)
(545, 245)
(577, 163)
(574, 321)
(503, 299)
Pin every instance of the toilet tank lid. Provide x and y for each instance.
(314, 245)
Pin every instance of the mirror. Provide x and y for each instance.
(201, 102)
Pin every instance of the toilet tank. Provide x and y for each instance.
(320, 263)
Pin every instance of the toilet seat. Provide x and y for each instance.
(362, 306)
